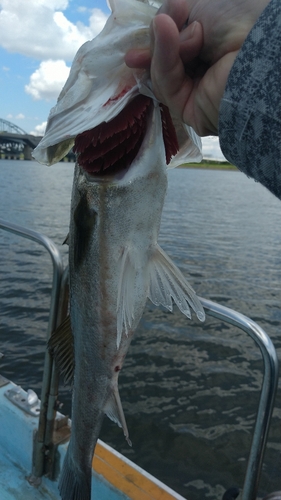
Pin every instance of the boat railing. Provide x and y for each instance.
(268, 390)
(49, 392)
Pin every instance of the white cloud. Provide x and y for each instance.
(20, 116)
(9, 116)
(39, 129)
(211, 148)
(39, 28)
(47, 81)
(97, 22)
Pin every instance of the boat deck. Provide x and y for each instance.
(114, 477)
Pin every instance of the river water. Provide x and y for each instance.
(190, 391)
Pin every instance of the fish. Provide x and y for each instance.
(124, 140)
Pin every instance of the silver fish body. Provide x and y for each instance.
(125, 140)
(115, 263)
(113, 231)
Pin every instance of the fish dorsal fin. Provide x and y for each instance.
(167, 282)
(113, 409)
(62, 350)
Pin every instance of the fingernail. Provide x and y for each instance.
(194, 24)
(188, 32)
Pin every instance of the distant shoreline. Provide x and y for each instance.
(210, 166)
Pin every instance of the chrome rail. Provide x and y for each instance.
(50, 378)
(39, 449)
(268, 390)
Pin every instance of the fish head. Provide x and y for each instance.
(100, 87)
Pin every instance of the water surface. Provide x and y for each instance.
(190, 391)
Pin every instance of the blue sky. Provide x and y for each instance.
(38, 40)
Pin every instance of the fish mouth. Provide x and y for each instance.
(109, 149)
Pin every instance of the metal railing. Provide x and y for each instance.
(50, 376)
(50, 379)
(268, 390)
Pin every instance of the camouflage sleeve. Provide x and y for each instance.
(250, 112)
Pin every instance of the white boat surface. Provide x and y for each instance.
(114, 477)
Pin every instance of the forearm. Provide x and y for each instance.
(250, 111)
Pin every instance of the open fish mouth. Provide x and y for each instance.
(111, 147)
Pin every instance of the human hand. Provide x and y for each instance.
(190, 65)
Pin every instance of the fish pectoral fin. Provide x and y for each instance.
(125, 296)
(61, 348)
(167, 282)
(113, 409)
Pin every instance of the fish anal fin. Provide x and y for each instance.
(166, 282)
(62, 349)
(113, 409)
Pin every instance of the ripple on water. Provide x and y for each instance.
(190, 391)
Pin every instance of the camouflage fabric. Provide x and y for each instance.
(250, 112)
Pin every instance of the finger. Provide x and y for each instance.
(191, 42)
(138, 58)
(201, 110)
(177, 10)
(167, 69)
(165, 54)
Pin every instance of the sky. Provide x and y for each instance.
(38, 41)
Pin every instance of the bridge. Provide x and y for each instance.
(16, 144)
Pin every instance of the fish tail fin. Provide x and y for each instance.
(167, 282)
(114, 410)
(73, 484)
